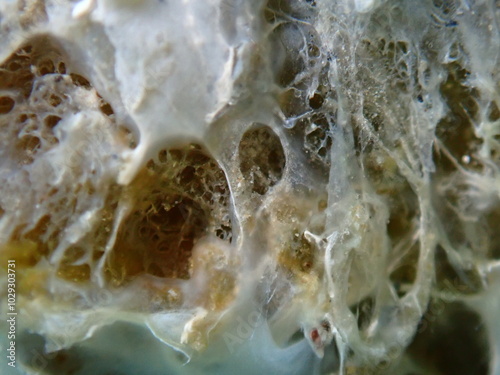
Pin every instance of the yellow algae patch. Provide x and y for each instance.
(32, 282)
(24, 252)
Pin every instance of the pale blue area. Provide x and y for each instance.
(127, 349)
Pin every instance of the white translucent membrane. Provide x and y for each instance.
(179, 72)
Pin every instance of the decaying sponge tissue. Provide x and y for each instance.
(236, 186)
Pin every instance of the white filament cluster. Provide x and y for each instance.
(311, 158)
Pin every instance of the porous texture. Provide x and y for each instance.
(263, 186)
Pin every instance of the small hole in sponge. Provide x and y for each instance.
(54, 100)
(61, 68)
(170, 214)
(316, 101)
(106, 109)
(51, 121)
(262, 158)
(46, 67)
(80, 81)
(6, 104)
(27, 147)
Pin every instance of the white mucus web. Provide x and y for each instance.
(326, 169)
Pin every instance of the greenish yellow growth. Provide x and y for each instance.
(24, 252)
(299, 257)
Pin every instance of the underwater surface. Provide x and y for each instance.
(250, 187)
